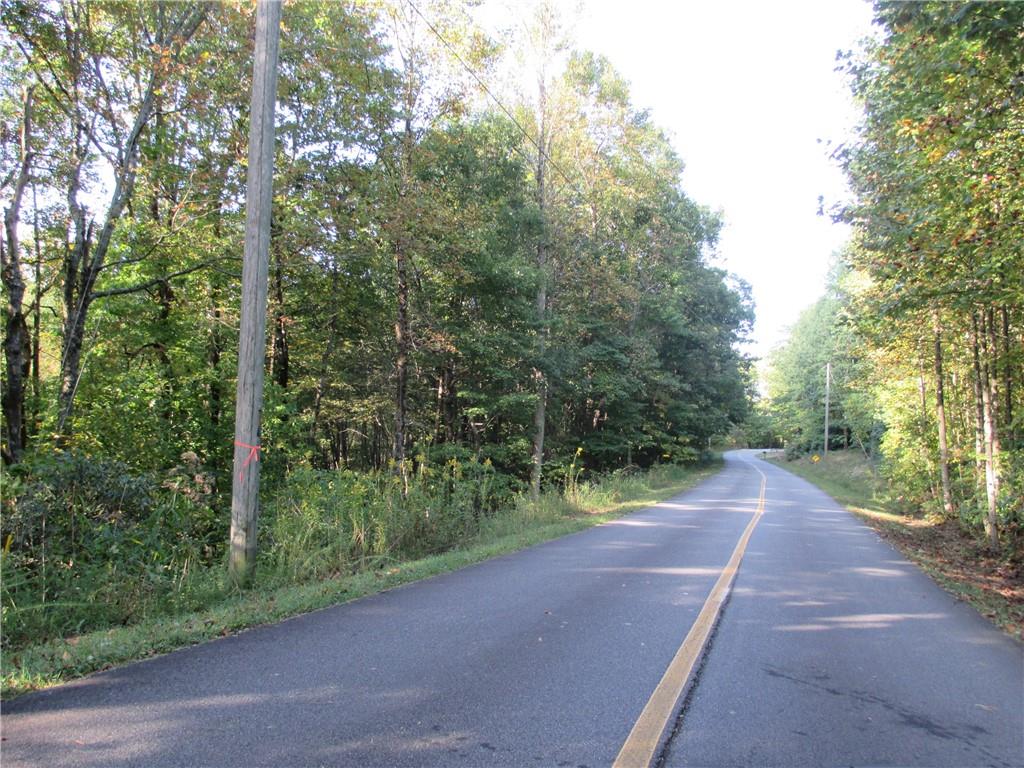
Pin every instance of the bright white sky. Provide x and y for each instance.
(746, 90)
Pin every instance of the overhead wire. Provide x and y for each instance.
(508, 113)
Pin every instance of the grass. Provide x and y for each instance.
(61, 660)
(955, 557)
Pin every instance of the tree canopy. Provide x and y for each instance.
(925, 325)
(417, 221)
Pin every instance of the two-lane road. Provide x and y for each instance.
(832, 650)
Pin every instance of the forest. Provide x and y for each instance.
(922, 326)
(481, 293)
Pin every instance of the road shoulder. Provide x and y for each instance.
(957, 561)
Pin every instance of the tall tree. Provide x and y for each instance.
(438, 50)
(102, 67)
(16, 338)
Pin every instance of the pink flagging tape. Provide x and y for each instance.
(254, 455)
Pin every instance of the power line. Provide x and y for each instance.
(540, 150)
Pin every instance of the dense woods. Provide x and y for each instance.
(475, 290)
(924, 321)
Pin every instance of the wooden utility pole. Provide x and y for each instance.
(828, 392)
(245, 481)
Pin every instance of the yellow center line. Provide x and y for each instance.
(643, 741)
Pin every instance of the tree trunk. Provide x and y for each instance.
(979, 410)
(378, 454)
(37, 311)
(539, 422)
(539, 378)
(76, 300)
(439, 409)
(325, 358)
(923, 428)
(990, 345)
(991, 482)
(215, 343)
(446, 416)
(16, 338)
(403, 332)
(164, 292)
(940, 418)
(990, 367)
(214, 350)
(1008, 377)
(165, 296)
(279, 353)
(402, 343)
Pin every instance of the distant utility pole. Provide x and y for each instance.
(828, 392)
(245, 479)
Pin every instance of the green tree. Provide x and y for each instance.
(938, 209)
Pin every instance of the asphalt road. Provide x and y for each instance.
(832, 650)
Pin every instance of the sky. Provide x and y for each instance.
(748, 94)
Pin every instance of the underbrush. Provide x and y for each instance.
(323, 523)
(854, 479)
(88, 544)
(90, 548)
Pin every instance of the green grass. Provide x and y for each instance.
(57, 661)
(955, 557)
(846, 476)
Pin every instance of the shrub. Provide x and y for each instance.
(323, 522)
(88, 544)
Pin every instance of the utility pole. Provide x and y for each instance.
(828, 392)
(245, 480)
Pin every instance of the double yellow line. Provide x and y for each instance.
(642, 744)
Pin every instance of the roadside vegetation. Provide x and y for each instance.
(915, 355)
(328, 537)
(909, 371)
(480, 303)
(949, 552)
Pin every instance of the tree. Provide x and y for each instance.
(457, 277)
(102, 67)
(16, 341)
(824, 341)
(938, 207)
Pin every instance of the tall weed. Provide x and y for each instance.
(89, 545)
(326, 522)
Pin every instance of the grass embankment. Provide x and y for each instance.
(523, 525)
(954, 556)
